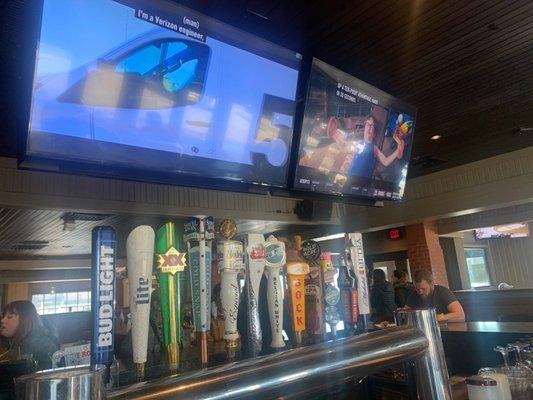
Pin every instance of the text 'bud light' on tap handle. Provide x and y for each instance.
(103, 297)
(275, 260)
(140, 259)
(230, 264)
(255, 266)
(355, 254)
(199, 233)
(171, 264)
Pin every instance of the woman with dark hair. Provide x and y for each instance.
(26, 335)
(381, 297)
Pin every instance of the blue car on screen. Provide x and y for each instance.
(163, 91)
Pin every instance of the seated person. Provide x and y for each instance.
(26, 336)
(381, 298)
(429, 295)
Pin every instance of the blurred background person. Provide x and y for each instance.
(25, 335)
(402, 287)
(382, 298)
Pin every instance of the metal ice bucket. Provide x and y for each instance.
(72, 383)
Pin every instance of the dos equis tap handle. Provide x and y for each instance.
(171, 264)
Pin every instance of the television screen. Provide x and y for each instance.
(355, 140)
(155, 86)
(516, 230)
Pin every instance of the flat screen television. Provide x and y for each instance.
(516, 230)
(355, 139)
(153, 86)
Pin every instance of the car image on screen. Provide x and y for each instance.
(163, 91)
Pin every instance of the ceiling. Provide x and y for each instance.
(31, 234)
(466, 64)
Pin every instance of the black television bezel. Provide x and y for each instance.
(117, 171)
(304, 87)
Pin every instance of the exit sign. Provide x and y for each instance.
(394, 234)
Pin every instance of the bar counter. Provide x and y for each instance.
(469, 346)
(519, 328)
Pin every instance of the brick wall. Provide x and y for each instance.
(425, 252)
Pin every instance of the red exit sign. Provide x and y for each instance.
(394, 234)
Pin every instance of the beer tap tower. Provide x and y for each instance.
(140, 260)
(230, 265)
(255, 266)
(170, 265)
(275, 260)
(199, 233)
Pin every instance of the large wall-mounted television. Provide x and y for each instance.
(516, 230)
(153, 86)
(355, 139)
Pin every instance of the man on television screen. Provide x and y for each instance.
(366, 155)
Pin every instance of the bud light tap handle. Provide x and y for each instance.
(103, 297)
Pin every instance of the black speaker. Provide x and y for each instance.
(314, 210)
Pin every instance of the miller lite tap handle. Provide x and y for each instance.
(275, 260)
(296, 271)
(103, 297)
(255, 258)
(140, 258)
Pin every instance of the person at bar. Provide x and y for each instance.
(402, 287)
(428, 295)
(26, 335)
(382, 297)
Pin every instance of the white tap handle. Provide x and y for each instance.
(275, 259)
(140, 256)
(229, 296)
(255, 260)
(230, 264)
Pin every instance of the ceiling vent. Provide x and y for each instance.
(75, 216)
(30, 245)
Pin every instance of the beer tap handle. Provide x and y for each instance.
(275, 259)
(140, 258)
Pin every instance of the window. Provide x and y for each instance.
(476, 262)
(141, 61)
(56, 303)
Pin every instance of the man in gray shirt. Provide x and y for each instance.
(428, 295)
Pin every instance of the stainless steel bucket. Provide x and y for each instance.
(72, 383)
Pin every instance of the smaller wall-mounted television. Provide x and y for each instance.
(516, 230)
(355, 139)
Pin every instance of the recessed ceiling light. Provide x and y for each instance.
(435, 137)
